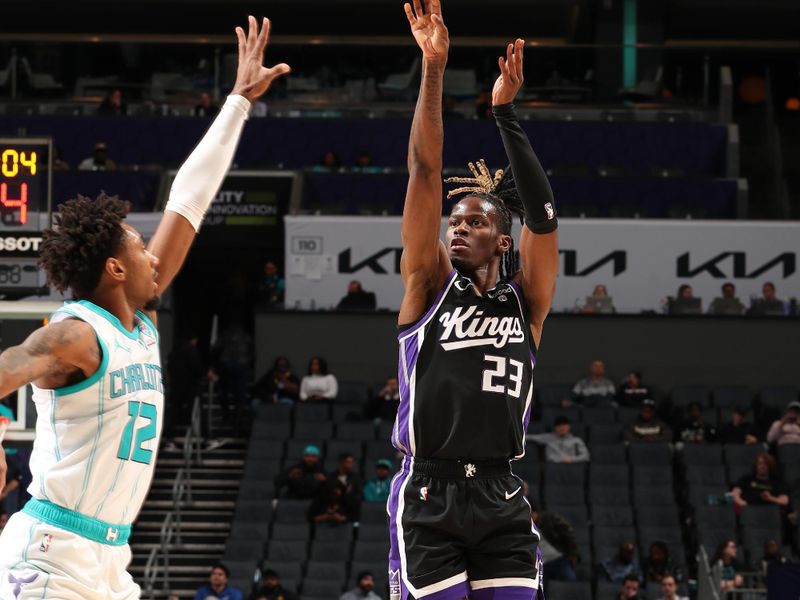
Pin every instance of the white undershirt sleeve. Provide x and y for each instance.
(200, 177)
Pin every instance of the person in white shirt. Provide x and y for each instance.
(318, 385)
(561, 446)
(669, 589)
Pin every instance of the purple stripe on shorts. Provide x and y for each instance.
(503, 593)
(394, 542)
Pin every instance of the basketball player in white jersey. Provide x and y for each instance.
(96, 370)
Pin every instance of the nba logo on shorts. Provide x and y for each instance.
(423, 494)
(46, 540)
(550, 212)
(394, 584)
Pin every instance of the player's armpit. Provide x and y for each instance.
(51, 356)
(540, 263)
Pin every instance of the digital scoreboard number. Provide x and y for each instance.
(25, 199)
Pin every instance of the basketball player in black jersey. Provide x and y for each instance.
(470, 323)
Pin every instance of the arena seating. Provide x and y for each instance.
(640, 492)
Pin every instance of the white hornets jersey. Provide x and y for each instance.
(96, 440)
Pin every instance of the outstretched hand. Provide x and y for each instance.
(510, 80)
(429, 30)
(252, 77)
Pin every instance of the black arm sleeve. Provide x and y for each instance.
(531, 181)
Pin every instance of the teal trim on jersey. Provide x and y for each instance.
(95, 442)
(134, 335)
(74, 522)
(89, 381)
(28, 545)
(149, 323)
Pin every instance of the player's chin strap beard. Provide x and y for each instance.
(153, 303)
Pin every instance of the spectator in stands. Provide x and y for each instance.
(270, 588)
(205, 107)
(332, 506)
(658, 564)
(113, 105)
(596, 388)
(59, 164)
(99, 161)
(684, 303)
(669, 589)
(364, 588)
(279, 384)
(218, 588)
(599, 302)
(629, 589)
(483, 106)
(364, 163)
(271, 287)
(786, 430)
(772, 555)
(632, 391)
(330, 161)
(319, 385)
(726, 554)
(647, 427)
(560, 445)
(623, 564)
(9, 495)
(728, 304)
(768, 303)
(694, 429)
(352, 486)
(739, 430)
(384, 404)
(302, 480)
(377, 490)
(763, 486)
(357, 298)
(558, 543)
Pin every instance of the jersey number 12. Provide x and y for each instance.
(130, 449)
(502, 375)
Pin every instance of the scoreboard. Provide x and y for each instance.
(26, 183)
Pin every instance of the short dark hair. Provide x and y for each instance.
(770, 284)
(363, 574)
(269, 573)
(221, 567)
(84, 234)
(630, 578)
(345, 456)
(728, 284)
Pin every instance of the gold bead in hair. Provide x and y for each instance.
(481, 182)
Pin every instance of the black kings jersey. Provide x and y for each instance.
(466, 375)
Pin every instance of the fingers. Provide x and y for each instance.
(439, 23)
(252, 33)
(242, 43)
(436, 7)
(519, 49)
(279, 70)
(409, 14)
(263, 36)
(418, 9)
(510, 59)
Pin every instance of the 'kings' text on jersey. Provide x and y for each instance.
(466, 375)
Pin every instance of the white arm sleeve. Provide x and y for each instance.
(199, 178)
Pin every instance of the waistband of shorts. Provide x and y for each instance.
(77, 523)
(462, 469)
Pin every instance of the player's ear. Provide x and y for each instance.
(115, 269)
(503, 243)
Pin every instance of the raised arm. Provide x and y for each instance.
(424, 264)
(539, 241)
(200, 177)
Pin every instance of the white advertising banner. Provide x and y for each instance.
(640, 261)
